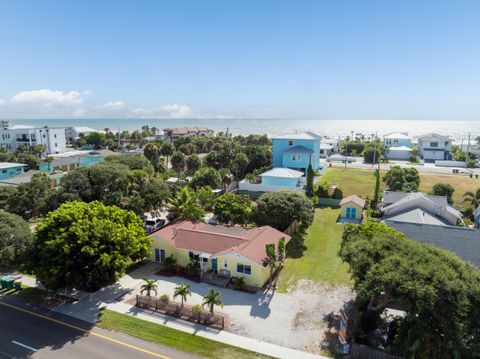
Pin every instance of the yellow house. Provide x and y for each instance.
(351, 207)
(224, 250)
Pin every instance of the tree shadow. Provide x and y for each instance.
(26, 326)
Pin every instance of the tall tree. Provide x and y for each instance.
(178, 162)
(30, 199)
(151, 152)
(184, 206)
(376, 193)
(166, 151)
(309, 184)
(86, 246)
(15, 238)
(402, 179)
(206, 176)
(439, 292)
(193, 163)
(280, 209)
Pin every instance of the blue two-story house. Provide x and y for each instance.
(297, 151)
(292, 154)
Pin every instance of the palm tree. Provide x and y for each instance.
(211, 299)
(149, 286)
(226, 178)
(182, 291)
(49, 161)
(271, 259)
(167, 150)
(183, 206)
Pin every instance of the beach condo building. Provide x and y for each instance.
(434, 147)
(54, 139)
(11, 169)
(399, 146)
(174, 133)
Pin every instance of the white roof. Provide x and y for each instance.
(4, 165)
(83, 129)
(400, 148)
(436, 135)
(20, 127)
(282, 172)
(308, 135)
(325, 146)
(402, 135)
(416, 215)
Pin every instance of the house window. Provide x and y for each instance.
(296, 157)
(244, 268)
(446, 143)
(433, 144)
(225, 265)
(290, 143)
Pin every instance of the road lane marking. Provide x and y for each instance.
(86, 331)
(25, 346)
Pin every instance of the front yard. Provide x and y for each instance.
(320, 262)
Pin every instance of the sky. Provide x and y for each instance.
(298, 59)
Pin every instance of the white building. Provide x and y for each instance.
(53, 138)
(178, 132)
(73, 133)
(432, 147)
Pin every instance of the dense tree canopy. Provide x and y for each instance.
(402, 179)
(206, 176)
(15, 238)
(231, 208)
(373, 151)
(30, 200)
(86, 246)
(439, 292)
(279, 209)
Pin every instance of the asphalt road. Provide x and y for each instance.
(27, 331)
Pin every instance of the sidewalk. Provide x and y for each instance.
(213, 334)
(88, 307)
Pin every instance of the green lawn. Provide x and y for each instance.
(351, 181)
(163, 335)
(320, 261)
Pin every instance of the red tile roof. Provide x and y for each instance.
(221, 240)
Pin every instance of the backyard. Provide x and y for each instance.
(320, 262)
(362, 182)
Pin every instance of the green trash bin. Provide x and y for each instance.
(3, 284)
(18, 285)
(9, 282)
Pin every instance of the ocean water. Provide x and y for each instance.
(333, 128)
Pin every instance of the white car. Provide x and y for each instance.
(153, 224)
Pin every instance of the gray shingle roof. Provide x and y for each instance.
(464, 242)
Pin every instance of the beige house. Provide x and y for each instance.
(351, 207)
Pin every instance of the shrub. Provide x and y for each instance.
(165, 299)
(337, 193)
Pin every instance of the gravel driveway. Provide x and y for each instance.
(296, 319)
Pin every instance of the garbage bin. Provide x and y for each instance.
(18, 285)
(8, 282)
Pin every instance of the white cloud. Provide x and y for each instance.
(46, 103)
(47, 96)
(114, 105)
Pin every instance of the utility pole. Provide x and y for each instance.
(346, 155)
(468, 149)
(374, 149)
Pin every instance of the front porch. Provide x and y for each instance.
(220, 280)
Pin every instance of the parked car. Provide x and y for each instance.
(153, 224)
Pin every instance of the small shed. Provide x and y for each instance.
(351, 207)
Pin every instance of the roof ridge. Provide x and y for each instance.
(213, 233)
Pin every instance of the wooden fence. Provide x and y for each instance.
(186, 312)
(359, 351)
(291, 228)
